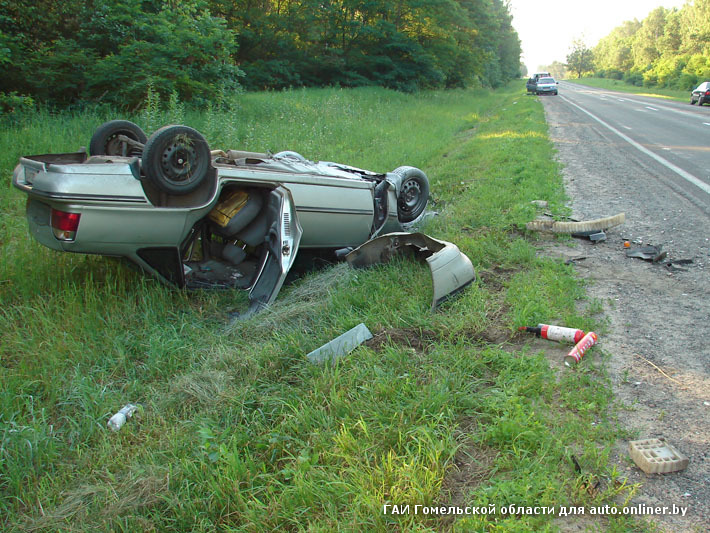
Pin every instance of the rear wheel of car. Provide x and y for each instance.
(177, 160)
(413, 193)
(106, 139)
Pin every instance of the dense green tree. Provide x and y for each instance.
(113, 50)
(580, 59)
(668, 48)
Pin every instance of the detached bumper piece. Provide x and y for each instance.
(451, 270)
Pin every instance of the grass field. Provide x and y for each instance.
(238, 432)
(619, 85)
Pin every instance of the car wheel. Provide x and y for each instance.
(692, 102)
(105, 139)
(413, 193)
(177, 159)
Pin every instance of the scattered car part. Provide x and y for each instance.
(554, 226)
(341, 345)
(655, 456)
(451, 270)
(116, 421)
(594, 235)
(672, 264)
(118, 137)
(647, 253)
(575, 354)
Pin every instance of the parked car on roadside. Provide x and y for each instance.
(531, 84)
(546, 86)
(198, 218)
(701, 94)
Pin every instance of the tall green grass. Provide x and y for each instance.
(237, 431)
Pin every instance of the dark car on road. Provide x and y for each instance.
(701, 94)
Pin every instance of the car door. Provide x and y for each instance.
(283, 240)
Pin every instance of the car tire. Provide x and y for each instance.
(177, 160)
(413, 193)
(105, 141)
(692, 102)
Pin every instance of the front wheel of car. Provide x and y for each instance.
(177, 160)
(413, 193)
(107, 140)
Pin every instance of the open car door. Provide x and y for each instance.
(282, 241)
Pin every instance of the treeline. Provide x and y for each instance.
(669, 48)
(114, 51)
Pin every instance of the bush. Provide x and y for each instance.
(686, 82)
(15, 103)
(634, 78)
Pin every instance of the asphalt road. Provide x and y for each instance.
(674, 134)
(649, 158)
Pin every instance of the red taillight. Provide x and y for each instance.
(707, 93)
(65, 225)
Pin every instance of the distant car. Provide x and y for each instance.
(701, 94)
(197, 218)
(546, 86)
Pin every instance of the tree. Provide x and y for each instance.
(580, 59)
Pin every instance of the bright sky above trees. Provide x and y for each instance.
(547, 28)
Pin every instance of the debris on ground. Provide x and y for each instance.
(647, 253)
(655, 456)
(593, 226)
(575, 354)
(656, 254)
(342, 345)
(590, 482)
(594, 236)
(555, 333)
(116, 421)
(451, 270)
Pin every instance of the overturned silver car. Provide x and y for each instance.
(198, 218)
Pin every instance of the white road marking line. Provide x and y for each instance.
(626, 127)
(651, 108)
(687, 176)
(669, 109)
(706, 123)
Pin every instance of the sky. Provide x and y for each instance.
(547, 27)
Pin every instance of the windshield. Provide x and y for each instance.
(546, 80)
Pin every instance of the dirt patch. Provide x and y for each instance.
(416, 339)
(658, 330)
(472, 466)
